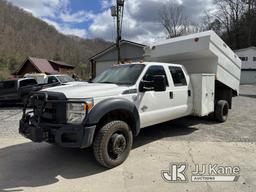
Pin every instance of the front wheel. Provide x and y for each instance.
(113, 143)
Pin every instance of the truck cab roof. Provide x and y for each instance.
(152, 63)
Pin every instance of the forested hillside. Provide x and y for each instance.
(22, 35)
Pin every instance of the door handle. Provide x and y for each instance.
(189, 93)
(171, 95)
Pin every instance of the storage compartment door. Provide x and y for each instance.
(207, 94)
(211, 93)
(203, 93)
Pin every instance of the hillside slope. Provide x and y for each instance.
(22, 35)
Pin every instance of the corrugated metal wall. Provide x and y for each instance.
(248, 77)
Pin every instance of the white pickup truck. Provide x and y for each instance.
(43, 79)
(109, 112)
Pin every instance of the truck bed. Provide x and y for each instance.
(203, 52)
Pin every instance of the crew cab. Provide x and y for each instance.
(108, 112)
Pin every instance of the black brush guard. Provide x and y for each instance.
(46, 121)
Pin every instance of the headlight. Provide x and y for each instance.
(76, 111)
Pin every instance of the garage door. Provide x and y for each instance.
(248, 77)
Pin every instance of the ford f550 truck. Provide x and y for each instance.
(110, 111)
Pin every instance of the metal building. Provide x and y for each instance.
(248, 57)
(130, 51)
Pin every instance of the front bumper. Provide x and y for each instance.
(69, 136)
(46, 123)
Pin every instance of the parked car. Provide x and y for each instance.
(16, 91)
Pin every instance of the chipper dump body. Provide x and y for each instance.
(203, 52)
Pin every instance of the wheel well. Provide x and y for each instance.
(122, 115)
(223, 92)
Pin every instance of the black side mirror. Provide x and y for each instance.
(146, 86)
(159, 83)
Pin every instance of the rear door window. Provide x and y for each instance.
(178, 76)
(7, 87)
(8, 84)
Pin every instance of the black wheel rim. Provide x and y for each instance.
(117, 144)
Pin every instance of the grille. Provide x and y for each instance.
(52, 109)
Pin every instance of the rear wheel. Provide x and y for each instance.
(113, 143)
(221, 111)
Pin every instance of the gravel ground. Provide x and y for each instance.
(26, 166)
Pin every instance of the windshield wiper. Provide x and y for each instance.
(107, 82)
(129, 84)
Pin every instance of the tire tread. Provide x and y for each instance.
(219, 111)
(98, 142)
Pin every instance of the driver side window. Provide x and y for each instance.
(153, 71)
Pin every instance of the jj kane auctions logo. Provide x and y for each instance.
(177, 173)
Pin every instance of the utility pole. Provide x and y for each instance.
(117, 11)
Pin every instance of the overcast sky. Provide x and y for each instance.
(92, 18)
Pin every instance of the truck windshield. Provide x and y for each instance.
(39, 78)
(120, 75)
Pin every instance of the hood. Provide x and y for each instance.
(87, 90)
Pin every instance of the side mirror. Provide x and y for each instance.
(159, 83)
(146, 86)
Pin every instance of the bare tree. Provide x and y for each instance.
(207, 22)
(251, 6)
(174, 19)
(228, 14)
